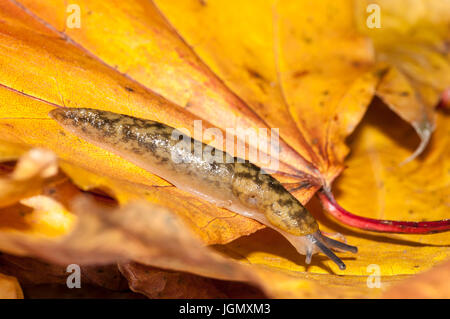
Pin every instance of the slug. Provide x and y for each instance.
(232, 183)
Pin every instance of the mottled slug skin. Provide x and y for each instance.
(263, 192)
(238, 186)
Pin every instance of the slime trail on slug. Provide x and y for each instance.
(235, 184)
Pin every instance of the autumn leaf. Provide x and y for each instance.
(101, 238)
(32, 272)
(414, 43)
(431, 284)
(27, 178)
(276, 56)
(25, 208)
(157, 283)
(214, 225)
(9, 288)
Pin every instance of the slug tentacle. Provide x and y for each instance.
(226, 181)
(325, 250)
(309, 252)
(334, 243)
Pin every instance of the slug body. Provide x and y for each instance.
(204, 171)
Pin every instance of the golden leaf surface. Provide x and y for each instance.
(413, 41)
(28, 177)
(10, 288)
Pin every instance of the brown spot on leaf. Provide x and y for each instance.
(255, 74)
(307, 40)
(380, 72)
(188, 104)
(356, 64)
(300, 73)
(261, 86)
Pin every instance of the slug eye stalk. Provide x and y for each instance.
(324, 244)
